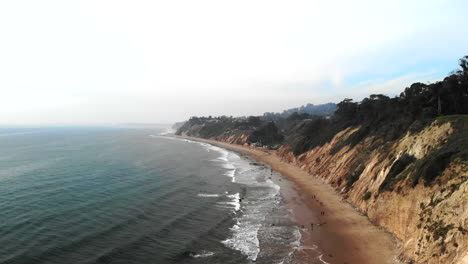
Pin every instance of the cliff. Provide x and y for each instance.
(415, 187)
(402, 161)
(429, 216)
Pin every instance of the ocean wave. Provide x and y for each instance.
(17, 133)
(168, 131)
(203, 255)
(321, 259)
(258, 203)
(208, 195)
(295, 246)
(231, 174)
(224, 157)
(260, 196)
(244, 239)
(235, 201)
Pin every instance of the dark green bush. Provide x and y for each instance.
(267, 134)
(354, 176)
(398, 167)
(312, 134)
(367, 196)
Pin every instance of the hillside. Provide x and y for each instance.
(402, 161)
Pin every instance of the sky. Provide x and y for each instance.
(113, 62)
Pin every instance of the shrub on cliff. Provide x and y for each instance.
(456, 148)
(397, 168)
(266, 134)
(385, 118)
(312, 134)
(367, 196)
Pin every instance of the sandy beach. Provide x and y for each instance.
(341, 234)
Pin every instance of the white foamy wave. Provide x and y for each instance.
(295, 245)
(168, 131)
(245, 239)
(314, 248)
(163, 137)
(273, 185)
(208, 195)
(231, 170)
(322, 260)
(229, 166)
(235, 201)
(257, 205)
(204, 254)
(225, 158)
(231, 174)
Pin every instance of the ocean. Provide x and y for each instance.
(135, 195)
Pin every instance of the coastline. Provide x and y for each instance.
(341, 234)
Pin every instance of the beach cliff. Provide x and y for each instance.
(429, 217)
(400, 161)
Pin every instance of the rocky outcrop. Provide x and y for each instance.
(429, 216)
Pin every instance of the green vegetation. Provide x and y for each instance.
(386, 118)
(435, 163)
(356, 169)
(448, 118)
(311, 134)
(300, 116)
(266, 134)
(367, 196)
(381, 120)
(438, 229)
(399, 166)
(207, 127)
(307, 110)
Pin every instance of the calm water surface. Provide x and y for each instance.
(107, 195)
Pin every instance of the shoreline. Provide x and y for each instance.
(339, 231)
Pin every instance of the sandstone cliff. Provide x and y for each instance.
(402, 161)
(415, 186)
(428, 215)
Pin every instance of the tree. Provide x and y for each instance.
(254, 120)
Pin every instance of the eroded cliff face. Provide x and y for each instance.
(240, 139)
(232, 136)
(430, 219)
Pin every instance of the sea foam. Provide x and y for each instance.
(208, 195)
(250, 209)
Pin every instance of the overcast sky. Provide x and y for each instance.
(109, 62)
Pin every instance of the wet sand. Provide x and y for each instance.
(339, 232)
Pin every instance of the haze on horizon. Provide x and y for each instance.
(110, 62)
